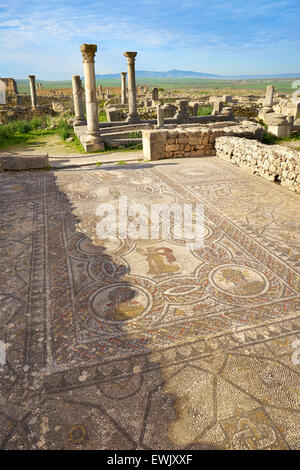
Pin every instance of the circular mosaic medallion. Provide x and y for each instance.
(240, 281)
(120, 302)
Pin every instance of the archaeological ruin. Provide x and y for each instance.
(120, 330)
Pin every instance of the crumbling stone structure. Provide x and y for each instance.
(193, 141)
(272, 162)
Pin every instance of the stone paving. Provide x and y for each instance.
(149, 344)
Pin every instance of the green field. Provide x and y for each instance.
(204, 85)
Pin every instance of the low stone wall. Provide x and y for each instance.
(273, 162)
(8, 113)
(192, 141)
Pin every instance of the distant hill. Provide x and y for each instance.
(168, 74)
(189, 74)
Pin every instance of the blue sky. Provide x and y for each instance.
(217, 36)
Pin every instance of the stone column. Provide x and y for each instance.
(123, 87)
(133, 116)
(33, 91)
(78, 103)
(269, 96)
(268, 103)
(154, 96)
(160, 117)
(92, 139)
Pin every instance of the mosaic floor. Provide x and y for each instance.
(149, 344)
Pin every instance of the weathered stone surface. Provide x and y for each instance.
(196, 348)
(269, 95)
(112, 114)
(24, 162)
(182, 115)
(192, 141)
(154, 144)
(78, 102)
(133, 116)
(273, 162)
(93, 140)
(33, 90)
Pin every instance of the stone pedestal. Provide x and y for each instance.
(279, 125)
(217, 109)
(93, 140)
(33, 91)
(133, 116)
(123, 87)
(112, 114)
(182, 114)
(78, 102)
(160, 117)
(154, 143)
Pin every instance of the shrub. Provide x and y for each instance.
(63, 129)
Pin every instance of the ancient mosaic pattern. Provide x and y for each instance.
(117, 327)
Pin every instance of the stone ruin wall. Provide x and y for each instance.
(8, 114)
(272, 162)
(193, 141)
(10, 85)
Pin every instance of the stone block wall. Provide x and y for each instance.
(272, 162)
(192, 141)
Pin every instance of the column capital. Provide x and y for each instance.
(88, 52)
(123, 74)
(31, 77)
(130, 56)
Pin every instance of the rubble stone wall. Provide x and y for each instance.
(272, 162)
(12, 113)
(192, 141)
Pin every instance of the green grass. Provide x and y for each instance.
(271, 139)
(204, 110)
(102, 117)
(175, 84)
(135, 135)
(63, 130)
(22, 131)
